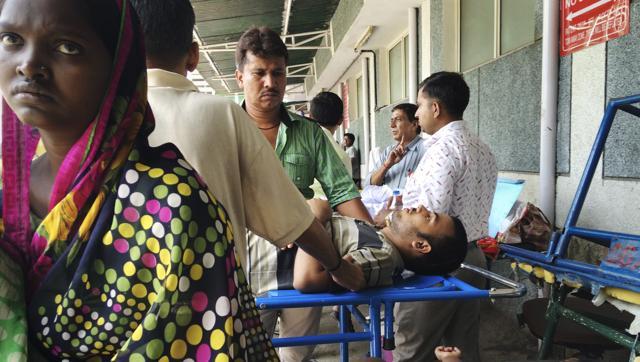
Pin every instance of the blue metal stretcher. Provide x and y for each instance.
(415, 288)
(565, 274)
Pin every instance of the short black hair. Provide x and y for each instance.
(167, 26)
(410, 110)
(326, 109)
(262, 42)
(351, 136)
(447, 252)
(104, 18)
(450, 89)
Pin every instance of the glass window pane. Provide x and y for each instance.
(406, 66)
(476, 32)
(396, 81)
(517, 27)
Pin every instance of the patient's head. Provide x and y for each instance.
(429, 242)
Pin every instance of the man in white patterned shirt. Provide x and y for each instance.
(457, 176)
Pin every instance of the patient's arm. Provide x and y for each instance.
(308, 275)
(321, 210)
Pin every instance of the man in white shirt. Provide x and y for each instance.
(218, 138)
(457, 176)
(348, 142)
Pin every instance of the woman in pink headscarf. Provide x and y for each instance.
(110, 249)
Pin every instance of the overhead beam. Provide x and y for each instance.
(210, 61)
(298, 41)
(286, 17)
(200, 82)
(293, 71)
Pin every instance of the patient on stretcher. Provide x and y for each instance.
(415, 239)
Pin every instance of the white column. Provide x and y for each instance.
(425, 41)
(372, 100)
(366, 119)
(413, 54)
(549, 108)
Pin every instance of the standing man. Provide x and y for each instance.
(457, 176)
(398, 161)
(306, 154)
(326, 109)
(349, 141)
(221, 142)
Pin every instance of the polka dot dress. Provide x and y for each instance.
(157, 280)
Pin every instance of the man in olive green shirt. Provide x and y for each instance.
(305, 152)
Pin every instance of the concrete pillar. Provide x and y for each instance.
(549, 109)
(412, 43)
(366, 116)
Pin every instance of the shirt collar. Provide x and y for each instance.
(160, 78)
(329, 134)
(451, 127)
(417, 139)
(286, 117)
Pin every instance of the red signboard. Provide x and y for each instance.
(344, 89)
(590, 22)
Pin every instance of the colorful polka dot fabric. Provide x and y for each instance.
(160, 281)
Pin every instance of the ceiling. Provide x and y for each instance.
(223, 21)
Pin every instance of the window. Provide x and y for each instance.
(398, 71)
(517, 24)
(406, 66)
(476, 32)
(485, 36)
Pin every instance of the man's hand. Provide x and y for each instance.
(380, 220)
(396, 155)
(349, 275)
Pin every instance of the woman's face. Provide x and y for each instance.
(54, 69)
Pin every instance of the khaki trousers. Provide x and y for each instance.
(421, 326)
(294, 322)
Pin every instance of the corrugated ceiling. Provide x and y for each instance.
(224, 21)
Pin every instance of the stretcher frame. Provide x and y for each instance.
(566, 273)
(415, 288)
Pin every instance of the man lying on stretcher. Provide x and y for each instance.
(415, 239)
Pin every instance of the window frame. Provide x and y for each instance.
(402, 41)
(497, 30)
